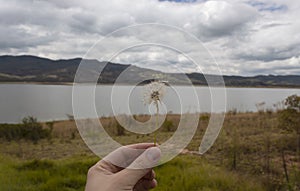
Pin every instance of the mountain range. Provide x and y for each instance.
(33, 69)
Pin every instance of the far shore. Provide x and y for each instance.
(125, 84)
(147, 116)
(41, 83)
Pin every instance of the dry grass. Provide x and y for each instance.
(251, 139)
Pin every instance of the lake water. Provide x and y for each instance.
(54, 102)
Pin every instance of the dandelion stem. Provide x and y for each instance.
(156, 121)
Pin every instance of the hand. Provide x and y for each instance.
(127, 168)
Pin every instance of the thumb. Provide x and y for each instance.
(140, 167)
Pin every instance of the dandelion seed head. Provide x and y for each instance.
(154, 92)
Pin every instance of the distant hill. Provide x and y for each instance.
(42, 70)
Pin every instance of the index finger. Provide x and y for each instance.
(141, 145)
(125, 155)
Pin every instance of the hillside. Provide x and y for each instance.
(42, 70)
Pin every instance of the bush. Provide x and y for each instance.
(30, 129)
(168, 126)
(289, 118)
(120, 131)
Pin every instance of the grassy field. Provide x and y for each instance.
(188, 173)
(246, 156)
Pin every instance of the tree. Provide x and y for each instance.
(289, 118)
(293, 102)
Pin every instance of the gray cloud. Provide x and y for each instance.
(19, 38)
(246, 37)
(221, 18)
(270, 53)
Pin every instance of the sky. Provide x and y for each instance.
(245, 37)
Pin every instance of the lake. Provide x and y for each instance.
(54, 102)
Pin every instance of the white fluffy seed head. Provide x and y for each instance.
(154, 92)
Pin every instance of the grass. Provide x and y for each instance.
(44, 175)
(192, 173)
(188, 173)
(246, 156)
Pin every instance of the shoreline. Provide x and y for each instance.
(124, 84)
(61, 120)
(39, 83)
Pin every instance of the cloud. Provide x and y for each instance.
(17, 37)
(247, 37)
(181, 1)
(271, 39)
(219, 18)
(279, 67)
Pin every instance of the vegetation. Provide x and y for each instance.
(289, 118)
(188, 173)
(30, 129)
(195, 174)
(254, 151)
(44, 175)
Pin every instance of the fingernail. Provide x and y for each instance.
(153, 154)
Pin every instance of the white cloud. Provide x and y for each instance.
(279, 67)
(217, 18)
(246, 37)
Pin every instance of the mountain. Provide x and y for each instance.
(36, 69)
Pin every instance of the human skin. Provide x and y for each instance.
(128, 168)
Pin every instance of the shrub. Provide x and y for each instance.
(289, 118)
(120, 131)
(168, 126)
(30, 129)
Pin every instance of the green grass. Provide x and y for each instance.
(191, 173)
(44, 175)
(183, 173)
